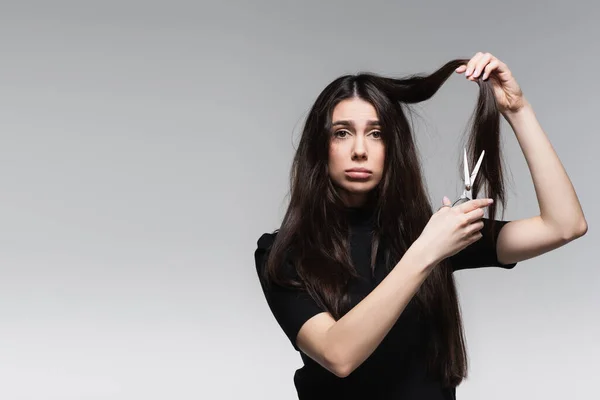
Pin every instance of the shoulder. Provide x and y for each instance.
(266, 240)
(285, 269)
(263, 248)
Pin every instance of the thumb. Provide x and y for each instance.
(446, 201)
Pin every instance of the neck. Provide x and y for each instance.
(357, 201)
(360, 215)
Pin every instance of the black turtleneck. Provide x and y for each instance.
(361, 223)
(360, 217)
(397, 368)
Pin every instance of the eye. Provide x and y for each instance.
(376, 134)
(338, 133)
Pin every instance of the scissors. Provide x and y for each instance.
(467, 194)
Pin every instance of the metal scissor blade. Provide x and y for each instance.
(476, 170)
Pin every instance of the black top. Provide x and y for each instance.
(396, 369)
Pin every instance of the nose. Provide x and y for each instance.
(359, 150)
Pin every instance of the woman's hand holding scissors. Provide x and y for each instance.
(451, 229)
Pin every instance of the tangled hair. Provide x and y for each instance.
(314, 231)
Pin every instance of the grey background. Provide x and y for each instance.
(145, 146)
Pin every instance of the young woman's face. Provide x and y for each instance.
(355, 144)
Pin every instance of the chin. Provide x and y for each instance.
(355, 187)
(359, 187)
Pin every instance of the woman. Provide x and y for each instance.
(359, 275)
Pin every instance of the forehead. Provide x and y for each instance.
(354, 109)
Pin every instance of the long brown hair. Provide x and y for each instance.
(314, 231)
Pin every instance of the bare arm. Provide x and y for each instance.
(343, 345)
(561, 218)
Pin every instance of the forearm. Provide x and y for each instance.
(354, 337)
(558, 202)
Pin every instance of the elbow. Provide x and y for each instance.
(337, 364)
(583, 228)
(576, 232)
(342, 371)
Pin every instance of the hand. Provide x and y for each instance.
(451, 229)
(508, 94)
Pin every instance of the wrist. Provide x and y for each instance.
(422, 256)
(525, 108)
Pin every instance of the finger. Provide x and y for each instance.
(475, 204)
(493, 65)
(472, 63)
(484, 60)
(474, 237)
(475, 227)
(461, 69)
(446, 203)
(475, 215)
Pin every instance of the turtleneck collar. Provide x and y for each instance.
(360, 216)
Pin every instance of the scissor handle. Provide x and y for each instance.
(460, 201)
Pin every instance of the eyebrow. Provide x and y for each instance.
(351, 123)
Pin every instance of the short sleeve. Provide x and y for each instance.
(483, 252)
(291, 307)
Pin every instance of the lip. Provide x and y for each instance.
(358, 173)
(359, 170)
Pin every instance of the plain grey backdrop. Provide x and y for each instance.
(145, 147)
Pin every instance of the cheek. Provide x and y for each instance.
(334, 155)
(381, 160)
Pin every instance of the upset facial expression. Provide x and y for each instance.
(356, 150)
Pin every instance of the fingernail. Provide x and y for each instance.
(490, 201)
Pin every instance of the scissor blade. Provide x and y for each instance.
(476, 170)
(466, 169)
